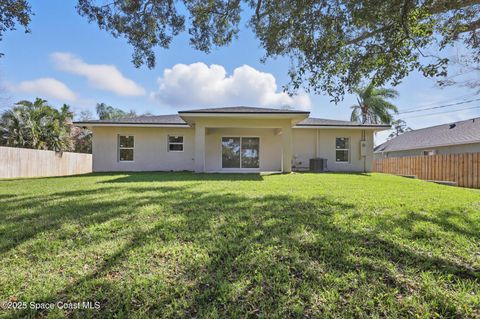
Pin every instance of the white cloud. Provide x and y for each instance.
(101, 76)
(198, 84)
(44, 87)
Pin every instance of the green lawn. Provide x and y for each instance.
(181, 245)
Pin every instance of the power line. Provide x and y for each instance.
(466, 96)
(438, 113)
(439, 106)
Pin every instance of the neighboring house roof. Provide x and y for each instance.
(244, 109)
(311, 121)
(463, 132)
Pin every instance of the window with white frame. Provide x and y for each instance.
(126, 148)
(342, 149)
(175, 143)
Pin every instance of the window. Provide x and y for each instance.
(429, 152)
(175, 143)
(342, 149)
(126, 146)
(240, 152)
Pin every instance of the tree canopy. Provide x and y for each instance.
(333, 45)
(37, 125)
(107, 112)
(398, 128)
(13, 12)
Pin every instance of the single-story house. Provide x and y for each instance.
(452, 138)
(230, 139)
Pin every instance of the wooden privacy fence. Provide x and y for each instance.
(23, 162)
(463, 169)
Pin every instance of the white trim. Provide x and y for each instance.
(377, 128)
(133, 125)
(374, 128)
(244, 169)
(246, 115)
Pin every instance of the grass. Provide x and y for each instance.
(181, 245)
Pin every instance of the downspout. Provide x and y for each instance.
(365, 156)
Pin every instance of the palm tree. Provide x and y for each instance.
(13, 133)
(372, 107)
(37, 125)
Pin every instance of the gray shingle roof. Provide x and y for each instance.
(243, 109)
(173, 119)
(463, 132)
(311, 121)
(176, 119)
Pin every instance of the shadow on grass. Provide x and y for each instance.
(444, 219)
(205, 254)
(336, 173)
(183, 177)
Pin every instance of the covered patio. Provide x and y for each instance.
(243, 142)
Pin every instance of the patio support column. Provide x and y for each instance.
(287, 149)
(199, 148)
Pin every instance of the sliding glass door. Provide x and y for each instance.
(250, 151)
(240, 152)
(230, 152)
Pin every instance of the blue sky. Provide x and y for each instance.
(67, 60)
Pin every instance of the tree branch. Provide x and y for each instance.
(448, 5)
(369, 34)
(257, 9)
(472, 26)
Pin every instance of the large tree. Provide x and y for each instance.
(373, 107)
(333, 44)
(13, 12)
(37, 125)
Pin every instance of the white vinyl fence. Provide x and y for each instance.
(23, 162)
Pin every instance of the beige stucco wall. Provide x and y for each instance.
(150, 149)
(306, 145)
(453, 149)
(270, 148)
